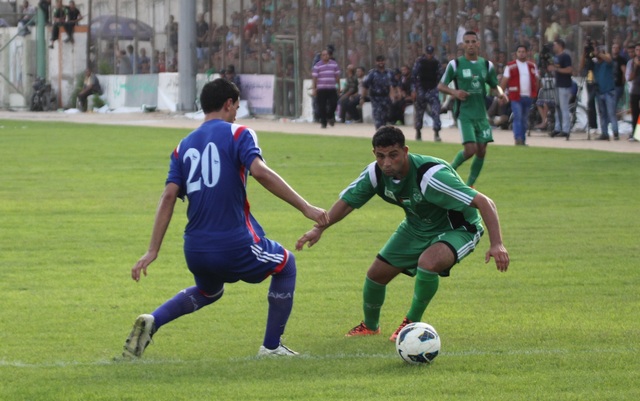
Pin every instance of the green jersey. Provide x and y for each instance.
(471, 77)
(433, 196)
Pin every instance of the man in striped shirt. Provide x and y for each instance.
(326, 78)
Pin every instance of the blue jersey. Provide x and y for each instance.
(211, 167)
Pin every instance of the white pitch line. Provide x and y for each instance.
(390, 355)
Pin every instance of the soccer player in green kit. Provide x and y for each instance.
(441, 224)
(470, 73)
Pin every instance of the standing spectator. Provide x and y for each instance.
(605, 92)
(90, 86)
(379, 82)
(223, 242)
(314, 98)
(563, 69)
(202, 43)
(586, 67)
(73, 18)
(520, 79)
(350, 89)
(619, 72)
(28, 13)
(633, 76)
(171, 30)
(133, 59)
(59, 19)
(471, 73)
(230, 74)
(124, 63)
(144, 63)
(326, 78)
(161, 62)
(426, 73)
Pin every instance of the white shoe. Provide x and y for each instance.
(280, 351)
(140, 336)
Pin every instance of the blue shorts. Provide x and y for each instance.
(251, 264)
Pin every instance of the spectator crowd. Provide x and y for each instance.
(361, 32)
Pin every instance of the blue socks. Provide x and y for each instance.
(186, 301)
(280, 299)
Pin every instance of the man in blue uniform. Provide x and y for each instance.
(223, 243)
(426, 74)
(379, 83)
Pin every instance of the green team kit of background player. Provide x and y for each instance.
(441, 224)
(470, 73)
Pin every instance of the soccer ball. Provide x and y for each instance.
(418, 343)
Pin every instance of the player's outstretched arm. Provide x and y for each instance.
(338, 211)
(160, 225)
(489, 214)
(279, 187)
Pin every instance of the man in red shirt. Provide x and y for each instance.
(520, 81)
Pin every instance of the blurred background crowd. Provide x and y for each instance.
(250, 33)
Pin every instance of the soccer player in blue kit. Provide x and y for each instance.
(223, 243)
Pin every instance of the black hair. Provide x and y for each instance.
(215, 93)
(388, 135)
(473, 33)
(560, 42)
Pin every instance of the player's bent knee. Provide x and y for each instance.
(289, 268)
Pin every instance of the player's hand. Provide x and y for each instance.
(500, 255)
(142, 264)
(461, 95)
(312, 236)
(317, 214)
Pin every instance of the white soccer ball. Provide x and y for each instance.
(418, 343)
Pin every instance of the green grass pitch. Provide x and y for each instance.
(77, 204)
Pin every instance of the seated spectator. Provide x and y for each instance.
(350, 89)
(90, 87)
(402, 97)
(28, 13)
(73, 18)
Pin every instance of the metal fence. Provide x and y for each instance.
(244, 32)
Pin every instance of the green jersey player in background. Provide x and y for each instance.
(470, 73)
(441, 225)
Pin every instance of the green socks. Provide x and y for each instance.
(458, 160)
(476, 166)
(373, 298)
(373, 294)
(426, 287)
